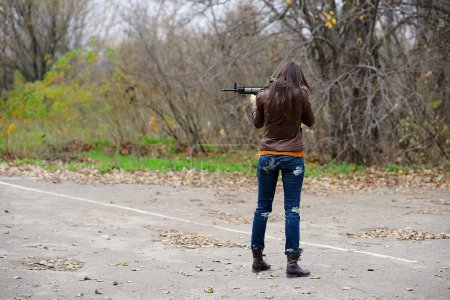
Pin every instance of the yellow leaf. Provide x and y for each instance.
(333, 21)
(209, 290)
(436, 103)
(125, 264)
(331, 12)
(328, 25)
(153, 124)
(222, 131)
(361, 17)
(288, 2)
(11, 128)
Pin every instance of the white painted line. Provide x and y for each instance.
(196, 223)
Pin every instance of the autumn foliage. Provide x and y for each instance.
(377, 69)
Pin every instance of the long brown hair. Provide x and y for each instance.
(287, 86)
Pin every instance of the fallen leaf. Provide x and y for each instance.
(315, 277)
(199, 268)
(209, 290)
(399, 234)
(346, 288)
(98, 292)
(59, 264)
(185, 274)
(365, 180)
(85, 278)
(191, 240)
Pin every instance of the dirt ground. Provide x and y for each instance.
(65, 240)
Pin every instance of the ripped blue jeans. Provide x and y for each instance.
(292, 172)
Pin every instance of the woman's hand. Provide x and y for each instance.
(253, 99)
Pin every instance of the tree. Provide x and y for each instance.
(366, 75)
(34, 33)
(181, 79)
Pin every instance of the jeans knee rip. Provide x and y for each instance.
(265, 215)
(297, 171)
(295, 210)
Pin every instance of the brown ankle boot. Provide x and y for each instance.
(293, 269)
(258, 263)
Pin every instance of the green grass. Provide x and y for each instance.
(243, 162)
(396, 169)
(218, 162)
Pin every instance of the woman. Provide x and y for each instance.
(280, 109)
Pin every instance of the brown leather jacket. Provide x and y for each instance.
(282, 127)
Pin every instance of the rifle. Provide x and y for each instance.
(242, 90)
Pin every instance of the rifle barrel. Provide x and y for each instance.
(242, 90)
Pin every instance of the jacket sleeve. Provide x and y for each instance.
(307, 113)
(258, 113)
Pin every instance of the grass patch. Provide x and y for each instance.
(228, 162)
(243, 162)
(396, 169)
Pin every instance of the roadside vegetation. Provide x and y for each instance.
(151, 99)
(107, 158)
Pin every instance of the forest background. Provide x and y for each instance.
(86, 80)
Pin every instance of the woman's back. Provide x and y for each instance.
(279, 109)
(281, 116)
